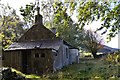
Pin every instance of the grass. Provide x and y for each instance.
(89, 70)
(32, 76)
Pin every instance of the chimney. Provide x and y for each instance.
(38, 17)
(53, 30)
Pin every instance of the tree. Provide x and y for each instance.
(10, 25)
(87, 12)
(111, 21)
(107, 12)
(66, 28)
(28, 14)
(91, 41)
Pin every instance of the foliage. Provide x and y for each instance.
(113, 58)
(10, 25)
(91, 11)
(87, 12)
(65, 25)
(48, 10)
(28, 13)
(107, 12)
(111, 21)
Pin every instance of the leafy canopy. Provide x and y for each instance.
(10, 25)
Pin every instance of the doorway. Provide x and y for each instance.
(24, 56)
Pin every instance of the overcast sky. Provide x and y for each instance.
(16, 4)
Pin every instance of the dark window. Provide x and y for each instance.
(67, 52)
(42, 55)
(55, 54)
(36, 55)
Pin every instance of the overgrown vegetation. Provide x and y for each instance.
(11, 26)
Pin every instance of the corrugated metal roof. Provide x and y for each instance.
(53, 44)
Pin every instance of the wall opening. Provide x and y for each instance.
(36, 55)
(43, 55)
(25, 59)
(55, 54)
(67, 52)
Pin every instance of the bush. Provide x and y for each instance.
(113, 58)
(7, 74)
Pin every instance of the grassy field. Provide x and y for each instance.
(88, 69)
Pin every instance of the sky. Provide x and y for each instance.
(16, 4)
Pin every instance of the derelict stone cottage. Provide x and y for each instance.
(39, 51)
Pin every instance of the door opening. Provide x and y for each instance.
(25, 60)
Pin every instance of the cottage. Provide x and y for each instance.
(39, 51)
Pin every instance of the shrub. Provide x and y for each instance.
(113, 58)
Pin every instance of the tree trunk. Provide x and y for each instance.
(94, 54)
